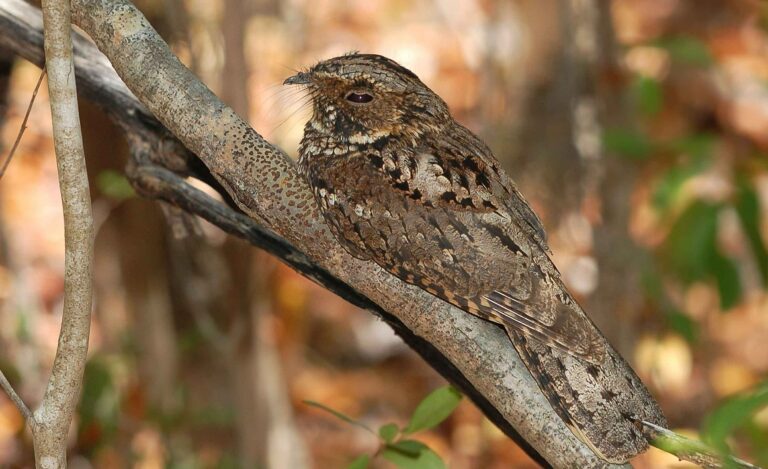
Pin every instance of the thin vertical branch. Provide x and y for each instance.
(52, 419)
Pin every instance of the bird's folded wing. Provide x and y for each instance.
(552, 318)
(463, 202)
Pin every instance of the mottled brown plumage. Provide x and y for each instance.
(402, 184)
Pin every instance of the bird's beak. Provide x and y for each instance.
(301, 78)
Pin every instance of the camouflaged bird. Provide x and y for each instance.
(402, 184)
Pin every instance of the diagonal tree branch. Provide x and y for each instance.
(282, 217)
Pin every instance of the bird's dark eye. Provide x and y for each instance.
(359, 97)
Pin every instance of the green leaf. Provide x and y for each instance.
(647, 95)
(409, 447)
(339, 415)
(698, 146)
(692, 242)
(114, 185)
(683, 325)
(424, 459)
(696, 151)
(360, 462)
(668, 186)
(435, 408)
(691, 253)
(651, 282)
(733, 414)
(748, 209)
(100, 400)
(686, 50)
(388, 432)
(627, 143)
(758, 436)
(728, 281)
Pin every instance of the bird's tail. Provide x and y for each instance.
(603, 405)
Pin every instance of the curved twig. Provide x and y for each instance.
(23, 126)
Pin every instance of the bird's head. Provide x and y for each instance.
(362, 97)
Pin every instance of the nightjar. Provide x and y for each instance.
(404, 185)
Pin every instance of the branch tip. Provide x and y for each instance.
(693, 451)
(23, 124)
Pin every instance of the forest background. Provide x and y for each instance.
(637, 130)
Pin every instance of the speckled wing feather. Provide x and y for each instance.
(475, 214)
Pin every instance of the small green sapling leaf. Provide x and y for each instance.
(425, 458)
(388, 432)
(360, 462)
(435, 408)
